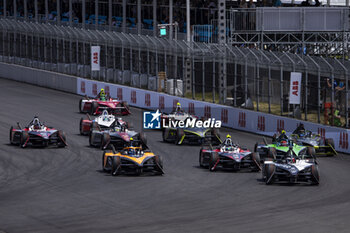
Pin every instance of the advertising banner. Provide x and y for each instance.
(95, 58)
(295, 88)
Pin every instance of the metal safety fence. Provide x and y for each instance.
(248, 78)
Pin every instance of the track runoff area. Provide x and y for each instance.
(65, 190)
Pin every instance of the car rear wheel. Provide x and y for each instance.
(61, 138)
(201, 159)
(213, 162)
(81, 126)
(24, 139)
(158, 160)
(179, 135)
(105, 140)
(269, 173)
(165, 134)
(94, 106)
(103, 162)
(81, 105)
(256, 161)
(129, 125)
(116, 162)
(272, 153)
(11, 133)
(315, 175)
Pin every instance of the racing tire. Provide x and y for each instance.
(129, 125)
(11, 141)
(256, 161)
(143, 139)
(311, 151)
(91, 140)
(81, 126)
(94, 126)
(214, 157)
(179, 134)
(24, 139)
(61, 138)
(201, 158)
(126, 106)
(158, 160)
(80, 106)
(103, 161)
(215, 133)
(94, 106)
(116, 162)
(164, 134)
(271, 153)
(256, 147)
(330, 142)
(105, 140)
(315, 175)
(269, 173)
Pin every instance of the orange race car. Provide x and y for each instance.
(132, 160)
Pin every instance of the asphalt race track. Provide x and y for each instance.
(64, 190)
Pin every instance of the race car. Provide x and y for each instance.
(132, 159)
(103, 121)
(96, 106)
(177, 115)
(291, 168)
(191, 135)
(322, 146)
(279, 147)
(228, 156)
(37, 134)
(117, 136)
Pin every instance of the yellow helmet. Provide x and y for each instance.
(102, 90)
(131, 139)
(283, 131)
(228, 136)
(178, 104)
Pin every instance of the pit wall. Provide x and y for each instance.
(236, 118)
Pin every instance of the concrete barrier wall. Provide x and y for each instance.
(39, 77)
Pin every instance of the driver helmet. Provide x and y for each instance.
(36, 123)
(284, 143)
(228, 140)
(131, 151)
(283, 132)
(102, 91)
(105, 115)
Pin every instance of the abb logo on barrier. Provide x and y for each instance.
(174, 104)
(107, 90)
(343, 140)
(94, 89)
(133, 97)
(207, 112)
(241, 120)
(295, 88)
(261, 123)
(224, 115)
(191, 108)
(95, 57)
(120, 93)
(280, 125)
(321, 132)
(147, 99)
(82, 87)
(161, 102)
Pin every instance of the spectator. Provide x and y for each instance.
(251, 4)
(335, 118)
(338, 87)
(277, 3)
